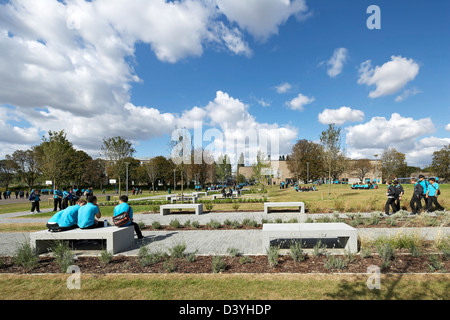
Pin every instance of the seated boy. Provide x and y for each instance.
(69, 216)
(88, 213)
(52, 223)
(121, 208)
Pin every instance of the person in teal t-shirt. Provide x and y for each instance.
(57, 199)
(69, 218)
(52, 223)
(35, 198)
(432, 194)
(122, 207)
(88, 213)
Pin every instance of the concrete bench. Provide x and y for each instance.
(346, 235)
(185, 198)
(165, 209)
(199, 193)
(117, 239)
(300, 205)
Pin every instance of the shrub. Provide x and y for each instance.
(236, 206)
(154, 208)
(214, 224)
(177, 251)
(386, 252)
(218, 264)
(296, 251)
(235, 224)
(105, 257)
(156, 225)
(63, 255)
(334, 262)
(170, 265)
(245, 259)
(146, 257)
(273, 253)
(435, 264)
(190, 257)
(175, 223)
(195, 224)
(319, 249)
(209, 206)
(234, 252)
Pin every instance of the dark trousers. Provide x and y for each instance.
(415, 204)
(57, 204)
(137, 230)
(97, 224)
(390, 202)
(397, 204)
(35, 206)
(433, 200)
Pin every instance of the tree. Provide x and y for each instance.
(334, 159)
(116, 150)
(26, 165)
(392, 162)
(223, 168)
(260, 174)
(54, 156)
(152, 171)
(306, 159)
(362, 168)
(6, 172)
(202, 167)
(441, 163)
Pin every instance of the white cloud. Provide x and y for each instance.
(407, 93)
(299, 102)
(390, 77)
(262, 18)
(340, 116)
(283, 87)
(447, 128)
(336, 62)
(379, 133)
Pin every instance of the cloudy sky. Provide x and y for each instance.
(279, 68)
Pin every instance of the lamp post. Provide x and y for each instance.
(127, 164)
(307, 172)
(174, 185)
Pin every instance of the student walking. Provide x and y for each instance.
(432, 194)
(399, 192)
(125, 207)
(35, 197)
(390, 199)
(415, 203)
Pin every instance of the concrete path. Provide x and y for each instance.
(206, 241)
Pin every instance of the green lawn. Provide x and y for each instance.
(225, 287)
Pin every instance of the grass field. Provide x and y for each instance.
(225, 287)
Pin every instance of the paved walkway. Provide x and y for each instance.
(205, 241)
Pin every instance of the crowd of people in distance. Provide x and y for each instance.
(366, 186)
(426, 190)
(305, 189)
(85, 214)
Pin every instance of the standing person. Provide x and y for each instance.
(432, 194)
(399, 192)
(57, 199)
(415, 203)
(122, 207)
(88, 213)
(35, 197)
(65, 200)
(390, 199)
(424, 184)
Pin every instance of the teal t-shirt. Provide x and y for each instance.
(55, 217)
(69, 217)
(86, 215)
(122, 208)
(432, 189)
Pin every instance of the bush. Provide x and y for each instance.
(175, 223)
(177, 251)
(195, 224)
(63, 255)
(234, 252)
(146, 257)
(209, 206)
(218, 264)
(296, 251)
(273, 253)
(105, 257)
(214, 224)
(386, 252)
(236, 206)
(334, 262)
(245, 259)
(156, 225)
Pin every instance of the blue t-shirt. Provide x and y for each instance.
(69, 217)
(424, 184)
(58, 193)
(86, 215)
(122, 208)
(432, 189)
(55, 217)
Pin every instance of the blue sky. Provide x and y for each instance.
(104, 68)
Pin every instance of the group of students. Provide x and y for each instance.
(85, 214)
(304, 189)
(428, 191)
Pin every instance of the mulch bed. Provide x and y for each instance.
(203, 264)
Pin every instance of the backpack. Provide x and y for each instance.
(438, 191)
(122, 219)
(31, 197)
